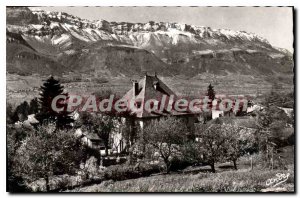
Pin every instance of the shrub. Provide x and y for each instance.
(179, 164)
(112, 161)
(91, 167)
(57, 183)
(123, 172)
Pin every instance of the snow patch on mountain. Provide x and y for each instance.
(138, 34)
(54, 25)
(59, 40)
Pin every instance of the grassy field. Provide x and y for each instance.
(228, 181)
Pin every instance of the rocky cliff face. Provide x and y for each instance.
(122, 48)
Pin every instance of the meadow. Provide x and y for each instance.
(228, 181)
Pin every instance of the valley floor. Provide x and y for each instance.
(21, 88)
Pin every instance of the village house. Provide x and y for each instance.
(92, 140)
(150, 87)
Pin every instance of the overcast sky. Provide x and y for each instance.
(273, 23)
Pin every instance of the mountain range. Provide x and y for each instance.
(42, 42)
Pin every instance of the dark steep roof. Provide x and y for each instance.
(151, 87)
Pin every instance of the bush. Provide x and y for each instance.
(95, 175)
(123, 172)
(57, 183)
(179, 164)
(91, 168)
(113, 161)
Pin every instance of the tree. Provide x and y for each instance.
(85, 121)
(210, 92)
(271, 123)
(103, 93)
(101, 124)
(34, 106)
(104, 126)
(233, 146)
(21, 112)
(211, 144)
(220, 142)
(166, 135)
(50, 89)
(14, 139)
(193, 152)
(151, 23)
(9, 114)
(47, 152)
(265, 121)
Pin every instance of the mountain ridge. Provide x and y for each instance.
(176, 48)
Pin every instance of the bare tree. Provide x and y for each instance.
(165, 136)
(233, 145)
(218, 143)
(212, 142)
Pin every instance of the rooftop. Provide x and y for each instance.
(150, 88)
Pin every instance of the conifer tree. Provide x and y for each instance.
(211, 92)
(49, 90)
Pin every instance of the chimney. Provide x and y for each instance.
(135, 87)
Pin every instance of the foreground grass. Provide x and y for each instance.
(229, 181)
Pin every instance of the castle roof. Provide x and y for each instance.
(152, 88)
